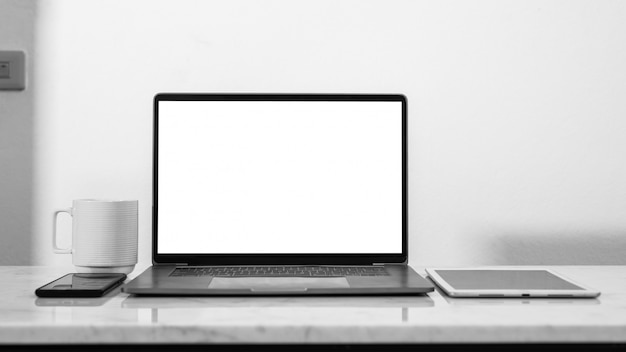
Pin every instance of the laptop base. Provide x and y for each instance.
(157, 280)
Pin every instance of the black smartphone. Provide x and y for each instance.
(81, 285)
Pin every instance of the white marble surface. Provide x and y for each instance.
(119, 318)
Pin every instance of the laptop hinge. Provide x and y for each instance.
(171, 264)
(387, 264)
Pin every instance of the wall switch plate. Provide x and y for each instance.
(12, 70)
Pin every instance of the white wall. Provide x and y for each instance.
(516, 108)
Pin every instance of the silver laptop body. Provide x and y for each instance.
(279, 194)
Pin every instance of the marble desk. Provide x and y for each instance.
(122, 319)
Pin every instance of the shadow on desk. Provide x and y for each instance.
(76, 301)
(279, 302)
(327, 309)
(491, 301)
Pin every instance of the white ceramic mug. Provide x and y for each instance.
(104, 235)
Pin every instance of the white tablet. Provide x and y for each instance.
(507, 282)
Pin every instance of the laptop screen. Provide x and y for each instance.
(275, 174)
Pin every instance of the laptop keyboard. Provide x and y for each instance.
(278, 271)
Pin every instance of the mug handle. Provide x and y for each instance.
(54, 232)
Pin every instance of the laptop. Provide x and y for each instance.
(279, 194)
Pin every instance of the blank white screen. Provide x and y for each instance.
(254, 177)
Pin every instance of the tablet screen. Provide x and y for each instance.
(505, 280)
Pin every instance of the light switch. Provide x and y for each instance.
(12, 70)
(4, 69)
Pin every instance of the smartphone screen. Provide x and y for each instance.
(81, 285)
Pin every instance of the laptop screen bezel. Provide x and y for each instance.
(278, 258)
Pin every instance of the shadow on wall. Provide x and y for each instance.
(17, 32)
(558, 248)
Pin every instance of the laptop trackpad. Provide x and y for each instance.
(278, 283)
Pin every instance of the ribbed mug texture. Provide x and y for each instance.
(104, 233)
